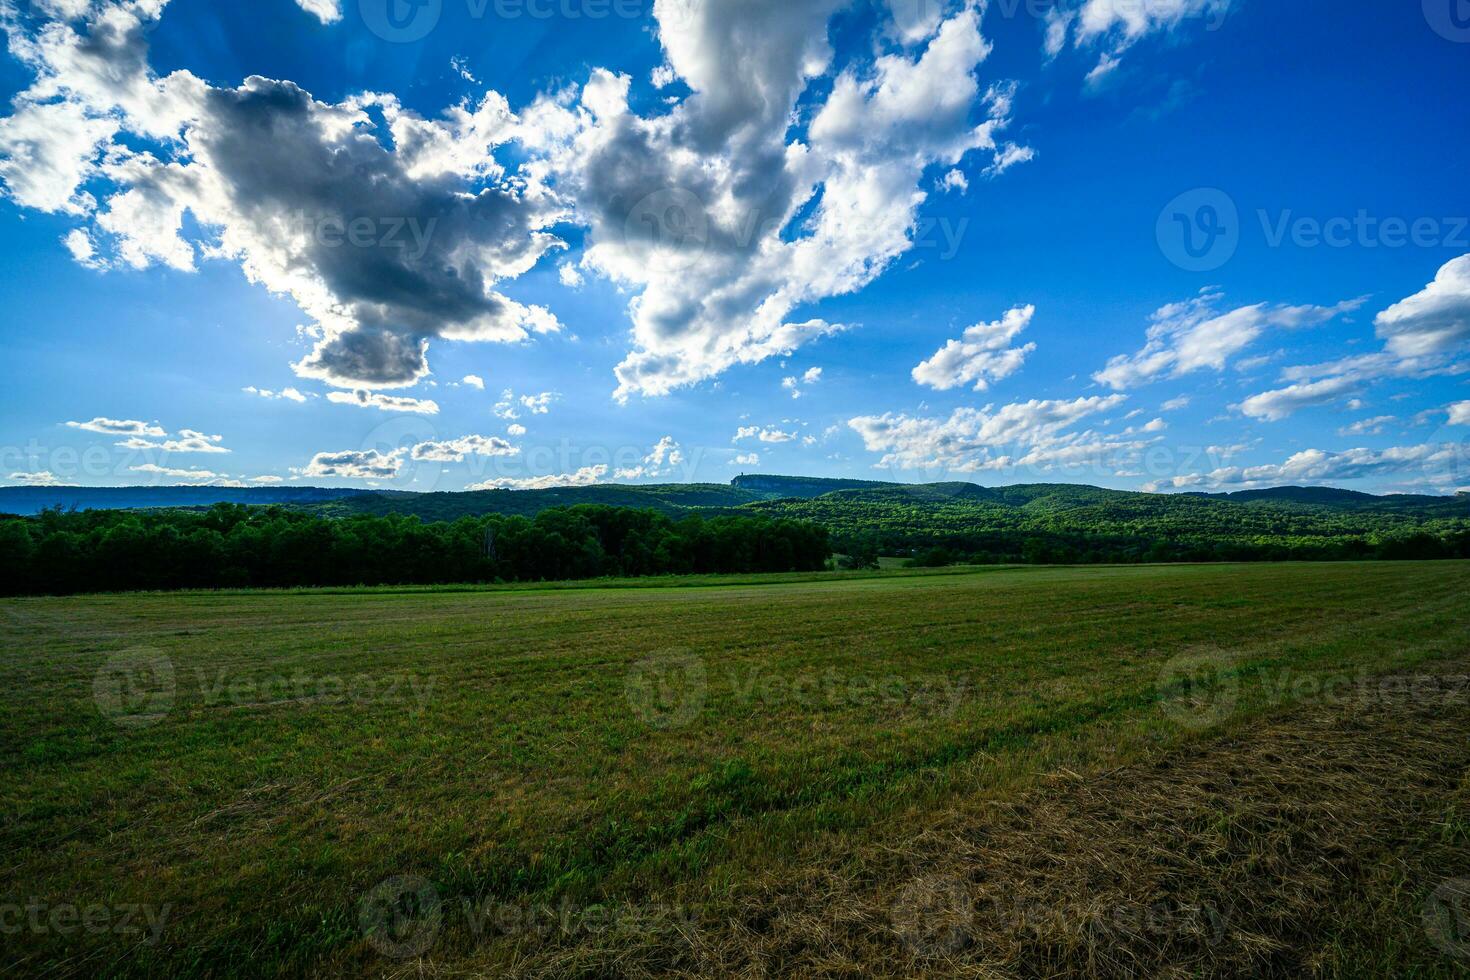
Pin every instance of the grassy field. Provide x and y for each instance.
(1223, 770)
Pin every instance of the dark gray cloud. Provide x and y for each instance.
(388, 229)
(402, 257)
(740, 203)
(366, 464)
(725, 212)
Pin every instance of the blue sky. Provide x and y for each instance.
(1162, 244)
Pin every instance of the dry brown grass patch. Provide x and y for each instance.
(1231, 858)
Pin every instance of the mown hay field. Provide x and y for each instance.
(1219, 770)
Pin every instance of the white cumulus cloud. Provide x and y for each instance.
(287, 394)
(1435, 320)
(1034, 433)
(763, 433)
(188, 441)
(156, 470)
(1273, 406)
(719, 218)
(455, 450)
(369, 464)
(1368, 427)
(1195, 336)
(384, 403)
(388, 228)
(40, 478)
(982, 354)
(1441, 465)
(584, 477)
(660, 461)
(326, 11)
(120, 427)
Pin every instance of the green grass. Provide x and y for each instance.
(888, 568)
(501, 742)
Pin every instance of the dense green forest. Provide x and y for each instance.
(756, 523)
(1057, 523)
(669, 498)
(230, 545)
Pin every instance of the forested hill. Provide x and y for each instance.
(966, 521)
(33, 500)
(668, 498)
(682, 498)
(804, 486)
(1349, 500)
(1067, 523)
(852, 502)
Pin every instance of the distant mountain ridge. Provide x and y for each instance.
(1328, 496)
(33, 500)
(1058, 523)
(803, 486)
(1305, 495)
(674, 498)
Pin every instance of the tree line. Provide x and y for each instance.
(1062, 525)
(235, 546)
(1084, 549)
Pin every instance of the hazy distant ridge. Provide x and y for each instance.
(681, 497)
